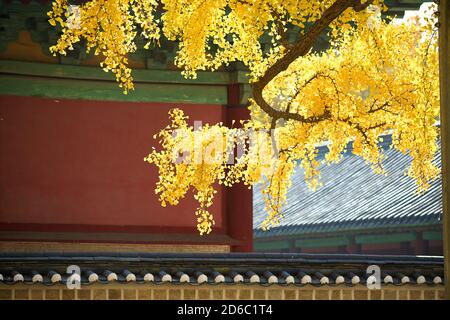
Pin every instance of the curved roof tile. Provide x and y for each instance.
(353, 197)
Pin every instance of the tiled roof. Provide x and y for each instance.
(196, 269)
(398, 7)
(352, 197)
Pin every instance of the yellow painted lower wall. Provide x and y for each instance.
(219, 292)
(29, 246)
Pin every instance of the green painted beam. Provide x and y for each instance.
(432, 235)
(385, 238)
(272, 245)
(321, 242)
(97, 73)
(107, 90)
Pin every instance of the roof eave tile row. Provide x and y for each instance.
(300, 278)
(213, 269)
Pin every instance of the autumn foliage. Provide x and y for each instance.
(377, 76)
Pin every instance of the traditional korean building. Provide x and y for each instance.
(72, 146)
(357, 211)
(78, 215)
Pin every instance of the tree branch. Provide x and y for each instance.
(301, 48)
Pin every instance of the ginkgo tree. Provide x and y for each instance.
(376, 76)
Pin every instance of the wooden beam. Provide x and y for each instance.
(322, 242)
(432, 235)
(108, 90)
(385, 238)
(139, 75)
(271, 245)
(444, 71)
(117, 237)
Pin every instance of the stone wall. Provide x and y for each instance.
(41, 246)
(219, 292)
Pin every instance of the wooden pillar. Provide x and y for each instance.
(240, 217)
(353, 247)
(405, 247)
(292, 247)
(444, 70)
(239, 198)
(342, 249)
(420, 244)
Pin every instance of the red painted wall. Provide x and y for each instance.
(74, 164)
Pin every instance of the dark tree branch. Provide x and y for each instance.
(301, 48)
(280, 30)
(362, 5)
(362, 130)
(299, 89)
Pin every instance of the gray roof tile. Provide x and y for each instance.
(210, 269)
(353, 197)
